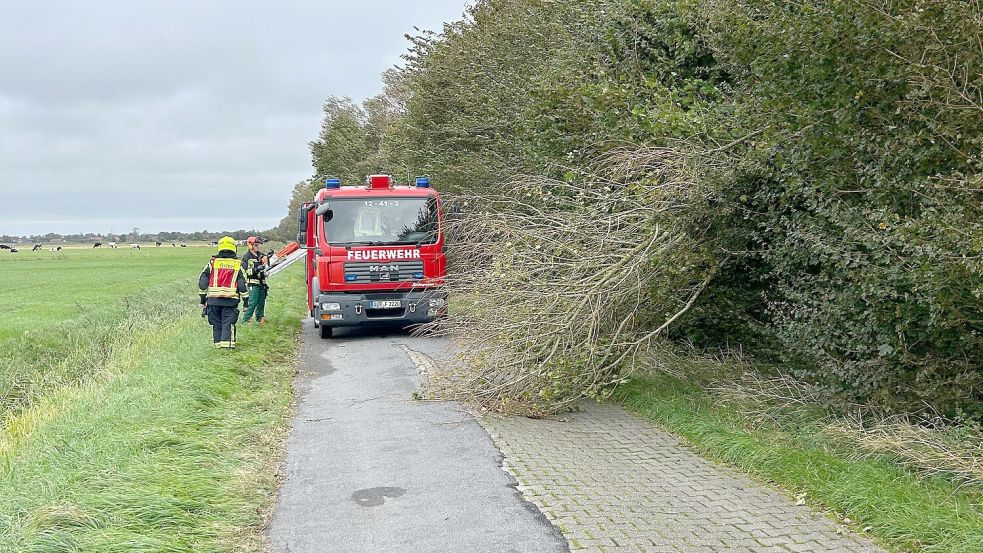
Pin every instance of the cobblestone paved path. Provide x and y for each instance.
(615, 483)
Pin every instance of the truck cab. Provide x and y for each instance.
(375, 254)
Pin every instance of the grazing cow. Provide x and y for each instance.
(134, 246)
(4, 247)
(173, 245)
(158, 244)
(97, 245)
(184, 245)
(36, 247)
(112, 244)
(13, 250)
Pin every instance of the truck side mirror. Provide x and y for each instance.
(302, 223)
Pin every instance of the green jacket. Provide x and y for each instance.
(254, 266)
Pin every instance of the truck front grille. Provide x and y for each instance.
(401, 271)
(384, 313)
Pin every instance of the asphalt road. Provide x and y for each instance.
(370, 469)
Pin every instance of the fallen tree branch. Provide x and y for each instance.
(559, 284)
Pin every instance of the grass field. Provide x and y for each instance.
(41, 289)
(121, 427)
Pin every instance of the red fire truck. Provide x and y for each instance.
(375, 254)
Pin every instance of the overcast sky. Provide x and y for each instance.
(178, 114)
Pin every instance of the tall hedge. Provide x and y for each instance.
(838, 144)
(861, 185)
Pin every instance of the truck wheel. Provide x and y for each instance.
(325, 331)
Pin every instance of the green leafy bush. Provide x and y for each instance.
(860, 187)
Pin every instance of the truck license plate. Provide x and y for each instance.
(385, 304)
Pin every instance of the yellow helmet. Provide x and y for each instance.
(227, 243)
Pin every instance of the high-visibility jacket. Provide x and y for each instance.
(222, 278)
(223, 281)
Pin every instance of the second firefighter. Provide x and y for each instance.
(256, 264)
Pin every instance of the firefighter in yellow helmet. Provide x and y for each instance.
(222, 286)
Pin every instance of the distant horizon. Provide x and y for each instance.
(144, 235)
(124, 226)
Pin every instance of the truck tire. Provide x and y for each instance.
(325, 331)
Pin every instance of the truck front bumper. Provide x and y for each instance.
(415, 307)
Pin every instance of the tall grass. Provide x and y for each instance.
(39, 361)
(171, 448)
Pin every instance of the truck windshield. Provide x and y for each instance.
(381, 221)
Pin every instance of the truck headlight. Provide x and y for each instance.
(331, 307)
(438, 302)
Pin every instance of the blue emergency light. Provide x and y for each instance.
(423, 182)
(332, 183)
(418, 275)
(351, 278)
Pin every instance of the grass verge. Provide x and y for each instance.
(171, 449)
(38, 362)
(794, 450)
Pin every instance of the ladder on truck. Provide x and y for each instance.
(290, 259)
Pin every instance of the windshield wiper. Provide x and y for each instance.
(417, 243)
(361, 243)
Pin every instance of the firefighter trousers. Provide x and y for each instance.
(223, 320)
(257, 302)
